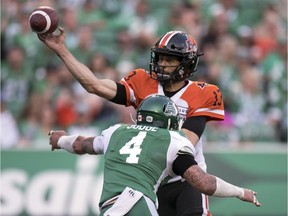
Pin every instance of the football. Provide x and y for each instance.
(44, 20)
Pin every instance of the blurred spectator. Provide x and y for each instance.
(275, 88)
(218, 27)
(227, 73)
(268, 31)
(127, 60)
(86, 44)
(16, 80)
(91, 14)
(102, 68)
(102, 113)
(173, 19)
(69, 21)
(10, 136)
(143, 30)
(251, 119)
(84, 122)
(144, 27)
(66, 114)
(38, 120)
(48, 83)
(186, 17)
(66, 79)
(24, 36)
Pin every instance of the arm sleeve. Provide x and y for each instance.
(120, 97)
(101, 142)
(182, 163)
(195, 124)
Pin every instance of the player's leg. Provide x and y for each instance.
(191, 202)
(167, 195)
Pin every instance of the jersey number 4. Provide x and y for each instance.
(132, 148)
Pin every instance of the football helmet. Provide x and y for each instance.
(159, 111)
(180, 45)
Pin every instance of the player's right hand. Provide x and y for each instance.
(54, 41)
(54, 136)
(250, 196)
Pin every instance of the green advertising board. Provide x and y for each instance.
(58, 183)
(265, 173)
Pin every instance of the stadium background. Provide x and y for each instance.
(245, 46)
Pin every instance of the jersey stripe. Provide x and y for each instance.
(165, 40)
(217, 111)
(132, 98)
(205, 205)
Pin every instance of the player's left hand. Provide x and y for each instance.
(54, 136)
(250, 196)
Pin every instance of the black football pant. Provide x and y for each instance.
(180, 199)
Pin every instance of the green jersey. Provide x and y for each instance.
(139, 157)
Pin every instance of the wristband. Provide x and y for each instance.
(225, 189)
(66, 142)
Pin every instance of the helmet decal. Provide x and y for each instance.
(166, 38)
(191, 44)
(139, 118)
(171, 109)
(149, 118)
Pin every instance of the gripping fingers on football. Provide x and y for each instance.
(53, 37)
(61, 29)
(44, 37)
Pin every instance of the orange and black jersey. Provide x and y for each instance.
(194, 99)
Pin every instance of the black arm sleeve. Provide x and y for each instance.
(182, 163)
(195, 124)
(120, 97)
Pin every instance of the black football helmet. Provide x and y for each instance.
(159, 111)
(180, 45)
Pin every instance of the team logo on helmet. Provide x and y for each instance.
(149, 119)
(139, 118)
(171, 109)
(191, 45)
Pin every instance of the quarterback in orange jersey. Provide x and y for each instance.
(194, 99)
(174, 58)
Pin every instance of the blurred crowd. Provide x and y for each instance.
(245, 53)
